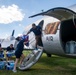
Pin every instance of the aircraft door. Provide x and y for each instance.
(40, 43)
(51, 38)
(31, 59)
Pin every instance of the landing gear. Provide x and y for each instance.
(48, 55)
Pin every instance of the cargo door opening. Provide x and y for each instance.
(68, 36)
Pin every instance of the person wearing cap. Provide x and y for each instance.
(18, 53)
(37, 31)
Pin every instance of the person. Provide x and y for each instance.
(37, 31)
(1, 53)
(18, 53)
(17, 41)
(9, 49)
(0, 48)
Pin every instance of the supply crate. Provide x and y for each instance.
(1, 54)
(10, 65)
(71, 47)
(10, 54)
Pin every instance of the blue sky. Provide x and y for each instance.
(14, 13)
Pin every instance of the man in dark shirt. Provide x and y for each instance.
(37, 31)
(18, 53)
(10, 48)
(19, 49)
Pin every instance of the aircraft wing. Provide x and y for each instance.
(59, 13)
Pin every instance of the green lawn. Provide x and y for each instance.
(54, 65)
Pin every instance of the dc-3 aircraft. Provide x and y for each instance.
(58, 35)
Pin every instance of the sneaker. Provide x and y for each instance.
(22, 65)
(14, 71)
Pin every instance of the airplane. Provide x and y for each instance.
(12, 36)
(9, 40)
(58, 35)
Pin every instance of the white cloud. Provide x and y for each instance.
(10, 14)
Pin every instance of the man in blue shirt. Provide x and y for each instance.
(37, 31)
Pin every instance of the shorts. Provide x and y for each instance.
(18, 54)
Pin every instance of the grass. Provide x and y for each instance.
(54, 65)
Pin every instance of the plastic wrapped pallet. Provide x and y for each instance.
(10, 65)
(70, 47)
(1, 54)
(10, 54)
(2, 65)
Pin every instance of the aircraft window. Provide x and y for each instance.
(51, 28)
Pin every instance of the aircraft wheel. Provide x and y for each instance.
(49, 55)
